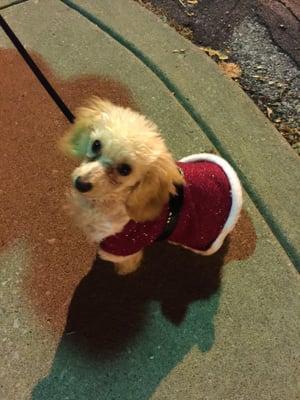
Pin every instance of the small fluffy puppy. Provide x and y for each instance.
(128, 192)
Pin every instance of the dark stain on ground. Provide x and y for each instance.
(122, 335)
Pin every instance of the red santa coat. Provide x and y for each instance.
(212, 200)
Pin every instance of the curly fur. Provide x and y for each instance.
(126, 137)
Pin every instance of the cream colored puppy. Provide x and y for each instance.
(126, 173)
(129, 192)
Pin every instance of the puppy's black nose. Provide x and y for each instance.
(82, 186)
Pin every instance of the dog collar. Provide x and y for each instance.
(175, 205)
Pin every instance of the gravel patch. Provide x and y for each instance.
(269, 76)
(261, 39)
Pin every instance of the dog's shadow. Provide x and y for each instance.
(124, 334)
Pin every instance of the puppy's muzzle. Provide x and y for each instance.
(82, 186)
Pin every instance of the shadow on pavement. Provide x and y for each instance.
(124, 334)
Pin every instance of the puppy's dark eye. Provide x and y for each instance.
(96, 147)
(124, 169)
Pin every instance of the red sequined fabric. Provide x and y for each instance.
(205, 210)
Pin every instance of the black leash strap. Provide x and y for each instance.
(37, 72)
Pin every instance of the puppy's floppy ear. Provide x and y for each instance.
(76, 140)
(148, 198)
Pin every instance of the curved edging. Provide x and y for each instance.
(260, 204)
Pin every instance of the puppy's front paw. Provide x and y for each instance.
(129, 264)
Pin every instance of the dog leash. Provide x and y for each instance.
(36, 70)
